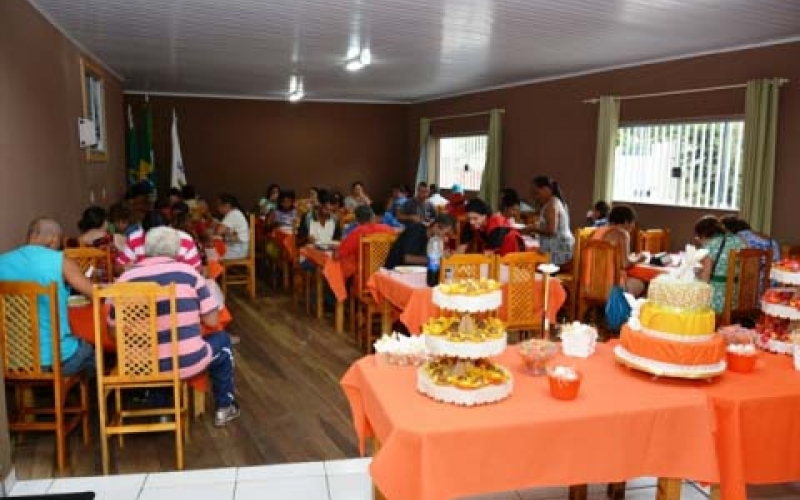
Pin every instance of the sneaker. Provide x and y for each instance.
(227, 414)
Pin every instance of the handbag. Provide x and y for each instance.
(618, 310)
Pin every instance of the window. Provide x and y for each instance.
(684, 164)
(461, 161)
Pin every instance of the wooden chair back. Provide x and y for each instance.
(748, 278)
(569, 278)
(653, 240)
(20, 352)
(373, 249)
(97, 258)
(467, 266)
(600, 267)
(134, 314)
(790, 251)
(248, 277)
(520, 270)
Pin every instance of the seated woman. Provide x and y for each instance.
(285, 214)
(555, 236)
(598, 215)
(750, 238)
(234, 228)
(357, 197)
(493, 232)
(711, 235)
(267, 204)
(621, 220)
(94, 228)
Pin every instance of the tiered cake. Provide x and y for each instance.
(781, 309)
(673, 334)
(462, 340)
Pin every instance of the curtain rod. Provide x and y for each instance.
(464, 115)
(595, 100)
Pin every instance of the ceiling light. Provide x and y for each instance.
(296, 91)
(296, 96)
(354, 64)
(359, 61)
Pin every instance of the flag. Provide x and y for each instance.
(178, 175)
(133, 151)
(147, 169)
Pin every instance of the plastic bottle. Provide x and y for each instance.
(435, 251)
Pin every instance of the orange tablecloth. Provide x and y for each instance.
(332, 270)
(416, 303)
(286, 242)
(645, 272)
(620, 427)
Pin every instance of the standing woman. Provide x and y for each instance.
(234, 227)
(555, 236)
(711, 234)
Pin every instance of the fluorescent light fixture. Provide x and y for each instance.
(354, 64)
(366, 57)
(296, 96)
(296, 91)
(359, 61)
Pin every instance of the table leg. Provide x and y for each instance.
(615, 491)
(198, 403)
(377, 495)
(668, 489)
(578, 492)
(339, 316)
(320, 298)
(386, 317)
(715, 494)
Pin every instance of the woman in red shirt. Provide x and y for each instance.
(493, 231)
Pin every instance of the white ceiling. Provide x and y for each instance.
(420, 48)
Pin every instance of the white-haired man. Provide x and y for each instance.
(195, 304)
(41, 261)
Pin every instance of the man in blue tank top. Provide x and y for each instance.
(41, 261)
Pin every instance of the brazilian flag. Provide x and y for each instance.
(147, 168)
(132, 162)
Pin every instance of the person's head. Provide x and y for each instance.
(509, 206)
(93, 218)
(405, 190)
(734, 224)
(477, 213)
(357, 189)
(138, 191)
(433, 189)
(364, 214)
(121, 215)
(188, 192)
(337, 200)
(180, 215)
(325, 205)
(457, 189)
(226, 203)
(600, 210)
(45, 232)
(379, 209)
(544, 188)
(286, 201)
(409, 211)
(154, 218)
(273, 192)
(175, 195)
(423, 191)
(707, 227)
(202, 206)
(443, 226)
(313, 194)
(162, 241)
(397, 191)
(623, 216)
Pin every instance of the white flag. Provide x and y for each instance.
(178, 176)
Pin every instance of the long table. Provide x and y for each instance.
(621, 426)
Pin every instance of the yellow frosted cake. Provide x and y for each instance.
(673, 332)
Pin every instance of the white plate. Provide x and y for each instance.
(518, 225)
(77, 301)
(411, 269)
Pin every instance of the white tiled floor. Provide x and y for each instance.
(332, 480)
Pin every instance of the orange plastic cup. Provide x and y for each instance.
(741, 363)
(566, 390)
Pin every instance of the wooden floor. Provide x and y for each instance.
(288, 368)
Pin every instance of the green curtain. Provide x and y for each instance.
(607, 125)
(760, 136)
(424, 136)
(490, 180)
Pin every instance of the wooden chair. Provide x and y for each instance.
(137, 364)
(569, 280)
(21, 344)
(653, 241)
(521, 285)
(790, 251)
(98, 258)
(599, 270)
(372, 252)
(748, 278)
(466, 266)
(248, 277)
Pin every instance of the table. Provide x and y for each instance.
(621, 426)
(645, 272)
(416, 302)
(334, 273)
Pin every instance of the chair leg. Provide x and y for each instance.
(178, 416)
(61, 439)
(84, 387)
(102, 417)
(251, 282)
(118, 410)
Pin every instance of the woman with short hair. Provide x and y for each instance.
(711, 235)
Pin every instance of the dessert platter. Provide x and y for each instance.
(460, 343)
(780, 308)
(672, 332)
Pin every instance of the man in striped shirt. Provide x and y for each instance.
(195, 303)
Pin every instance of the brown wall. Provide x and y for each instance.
(242, 146)
(549, 131)
(42, 169)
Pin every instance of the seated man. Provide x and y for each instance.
(411, 246)
(320, 225)
(492, 231)
(40, 261)
(598, 215)
(197, 353)
(348, 250)
(132, 248)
